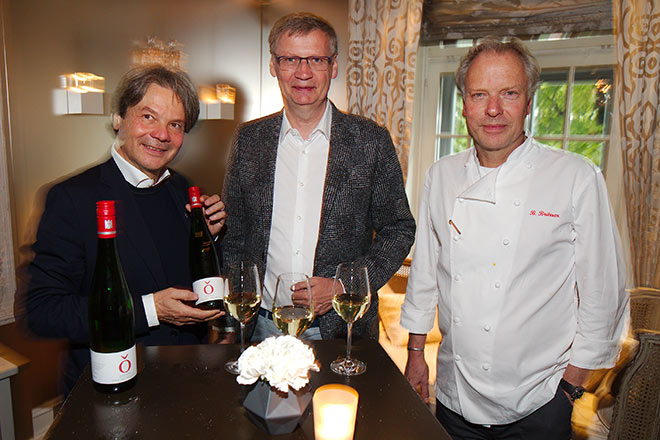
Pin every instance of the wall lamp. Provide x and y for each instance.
(79, 93)
(217, 102)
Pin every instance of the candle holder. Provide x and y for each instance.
(335, 411)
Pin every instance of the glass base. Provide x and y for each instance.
(348, 366)
(232, 367)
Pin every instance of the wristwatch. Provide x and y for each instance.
(573, 392)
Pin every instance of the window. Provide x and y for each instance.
(571, 110)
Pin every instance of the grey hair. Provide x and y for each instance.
(494, 44)
(134, 84)
(301, 23)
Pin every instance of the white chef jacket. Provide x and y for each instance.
(533, 233)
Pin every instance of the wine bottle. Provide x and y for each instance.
(203, 258)
(111, 319)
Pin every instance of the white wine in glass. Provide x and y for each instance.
(243, 299)
(293, 319)
(351, 298)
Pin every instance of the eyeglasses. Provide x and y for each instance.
(316, 63)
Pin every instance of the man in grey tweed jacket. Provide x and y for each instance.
(364, 212)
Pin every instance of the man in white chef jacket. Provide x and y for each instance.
(517, 248)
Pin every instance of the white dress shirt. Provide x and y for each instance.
(300, 171)
(528, 277)
(138, 179)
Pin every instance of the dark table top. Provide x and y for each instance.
(184, 392)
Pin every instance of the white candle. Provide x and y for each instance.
(335, 410)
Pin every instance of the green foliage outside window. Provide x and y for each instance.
(550, 108)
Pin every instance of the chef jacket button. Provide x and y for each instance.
(487, 328)
(516, 202)
(461, 200)
(457, 277)
(457, 357)
(457, 320)
(528, 164)
(456, 238)
(486, 366)
(498, 284)
(506, 242)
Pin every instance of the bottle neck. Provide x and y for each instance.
(197, 214)
(107, 246)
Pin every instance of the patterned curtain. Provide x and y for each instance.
(382, 50)
(637, 30)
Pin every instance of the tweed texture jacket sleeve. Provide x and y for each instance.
(365, 216)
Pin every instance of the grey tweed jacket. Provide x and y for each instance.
(365, 215)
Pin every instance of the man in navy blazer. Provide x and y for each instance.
(155, 106)
(311, 187)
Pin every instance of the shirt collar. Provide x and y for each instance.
(131, 173)
(323, 127)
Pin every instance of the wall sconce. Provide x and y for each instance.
(217, 102)
(79, 93)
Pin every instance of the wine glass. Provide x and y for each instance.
(242, 300)
(292, 319)
(351, 298)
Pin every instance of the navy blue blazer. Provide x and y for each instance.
(65, 254)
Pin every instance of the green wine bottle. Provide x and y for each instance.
(203, 258)
(111, 319)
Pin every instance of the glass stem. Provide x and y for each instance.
(242, 337)
(348, 341)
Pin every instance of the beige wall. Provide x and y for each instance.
(225, 41)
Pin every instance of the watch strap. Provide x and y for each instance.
(574, 392)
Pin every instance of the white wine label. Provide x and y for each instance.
(118, 367)
(208, 289)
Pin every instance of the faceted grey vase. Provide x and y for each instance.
(276, 412)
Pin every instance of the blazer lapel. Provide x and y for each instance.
(339, 156)
(267, 163)
(134, 238)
